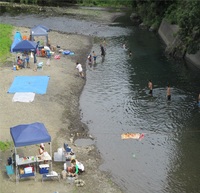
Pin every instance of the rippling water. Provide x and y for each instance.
(115, 100)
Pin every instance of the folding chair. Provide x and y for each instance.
(10, 171)
(40, 66)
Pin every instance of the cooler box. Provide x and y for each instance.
(28, 170)
(44, 168)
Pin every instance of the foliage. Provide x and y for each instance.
(5, 145)
(108, 3)
(184, 13)
(5, 40)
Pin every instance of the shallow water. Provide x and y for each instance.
(115, 100)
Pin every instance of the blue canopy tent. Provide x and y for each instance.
(29, 134)
(39, 31)
(25, 45)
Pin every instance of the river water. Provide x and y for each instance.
(115, 100)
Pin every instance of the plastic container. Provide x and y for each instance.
(44, 168)
(64, 174)
(60, 151)
(68, 149)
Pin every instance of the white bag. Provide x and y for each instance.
(80, 166)
(31, 54)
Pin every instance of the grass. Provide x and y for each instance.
(5, 41)
(5, 145)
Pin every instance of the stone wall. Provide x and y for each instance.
(168, 34)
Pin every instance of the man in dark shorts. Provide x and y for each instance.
(103, 53)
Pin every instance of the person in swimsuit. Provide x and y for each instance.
(150, 86)
(168, 93)
(90, 60)
(94, 57)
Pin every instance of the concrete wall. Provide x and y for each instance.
(194, 59)
(168, 34)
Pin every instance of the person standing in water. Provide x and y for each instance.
(103, 53)
(150, 86)
(94, 57)
(90, 60)
(168, 93)
(198, 100)
(130, 53)
(104, 43)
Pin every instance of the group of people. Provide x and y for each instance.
(75, 169)
(150, 86)
(92, 58)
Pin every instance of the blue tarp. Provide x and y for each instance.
(25, 45)
(35, 84)
(29, 134)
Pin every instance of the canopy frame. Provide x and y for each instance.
(22, 133)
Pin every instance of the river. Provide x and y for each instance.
(115, 100)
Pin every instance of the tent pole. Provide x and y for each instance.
(47, 41)
(51, 156)
(16, 164)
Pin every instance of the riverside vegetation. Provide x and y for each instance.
(183, 13)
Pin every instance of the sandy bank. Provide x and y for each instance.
(58, 109)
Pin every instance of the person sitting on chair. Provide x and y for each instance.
(20, 63)
(41, 149)
(42, 152)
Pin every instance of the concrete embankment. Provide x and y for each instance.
(168, 33)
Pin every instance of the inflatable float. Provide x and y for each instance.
(138, 136)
